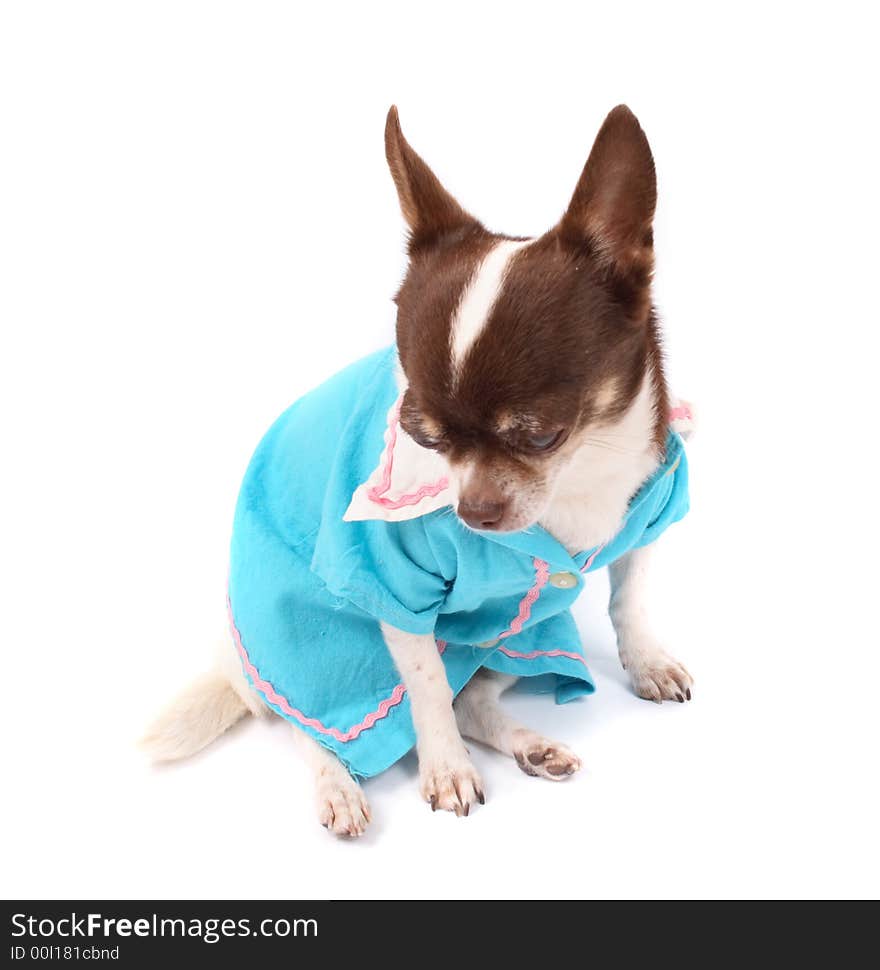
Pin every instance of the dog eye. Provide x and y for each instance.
(411, 422)
(542, 442)
(426, 441)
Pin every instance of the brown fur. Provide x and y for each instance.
(574, 315)
(429, 210)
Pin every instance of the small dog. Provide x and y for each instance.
(410, 536)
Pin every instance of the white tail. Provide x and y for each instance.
(195, 718)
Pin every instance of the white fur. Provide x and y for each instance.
(480, 717)
(202, 712)
(583, 508)
(340, 800)
(654, 674)
(197, 716)
(586, 507)
(583, 504)
(229, 665)
(592, 491)
(448, 779)
(478, 299)
(217, 700)
(587, 504)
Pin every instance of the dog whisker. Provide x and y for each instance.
(611, 446)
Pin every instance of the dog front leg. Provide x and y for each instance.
(654, 674)
(447, 777)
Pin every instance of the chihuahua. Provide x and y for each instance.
(410, 536)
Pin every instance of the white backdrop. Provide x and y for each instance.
(196, 226)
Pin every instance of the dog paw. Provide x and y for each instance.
(659, 678)
(542, 758)
(342, 807)
(450, 783)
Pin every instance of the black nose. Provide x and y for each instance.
(481, 512)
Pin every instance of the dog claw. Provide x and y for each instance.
(450, 787)
(658, 677)
(342, 808)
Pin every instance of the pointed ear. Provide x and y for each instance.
(429, 210)
(613, 205)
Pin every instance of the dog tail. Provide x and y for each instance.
(195, 718)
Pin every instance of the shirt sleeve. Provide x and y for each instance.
(672, 502)
(386, 569)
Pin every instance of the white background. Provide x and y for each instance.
(197, 226)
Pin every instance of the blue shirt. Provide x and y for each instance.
(344, 522)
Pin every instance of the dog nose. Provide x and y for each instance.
(481, 511)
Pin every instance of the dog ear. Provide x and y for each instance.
(429, 210)
(613, 204)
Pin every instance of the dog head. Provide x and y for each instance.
(519, 352)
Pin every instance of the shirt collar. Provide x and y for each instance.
(410, 481)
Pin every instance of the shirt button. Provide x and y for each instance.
(563, 580)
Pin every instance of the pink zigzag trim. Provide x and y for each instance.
(542, 653)
(377, 492)
(542, 574)
(271, 695)
(680, 413)
(590, 561)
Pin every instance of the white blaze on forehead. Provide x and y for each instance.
(479, 297)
